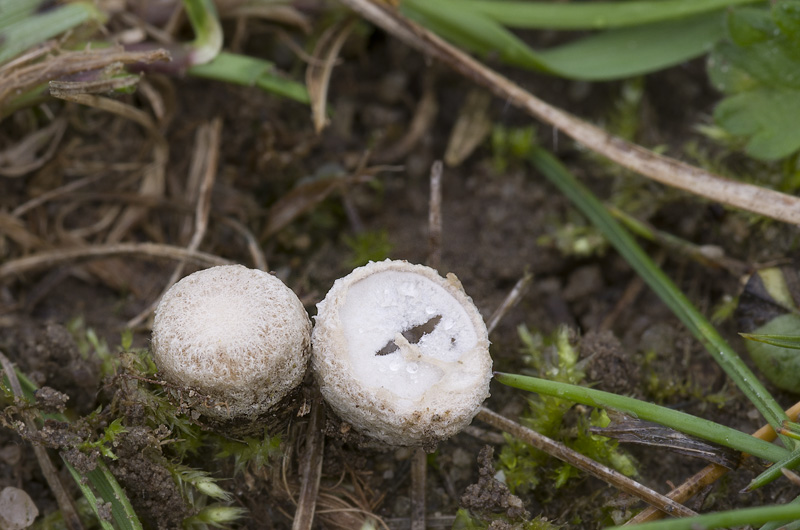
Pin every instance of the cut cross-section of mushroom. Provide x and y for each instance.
(401, 353)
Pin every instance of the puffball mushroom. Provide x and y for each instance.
(235, 335)
(401, 353)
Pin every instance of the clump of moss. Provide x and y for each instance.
(555, 358)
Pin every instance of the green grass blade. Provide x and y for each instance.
(774, 472)
(12, 11)
(592, 15)
(207, 29)
(775, 525)
(680, 421)
(37, 28)
(102, 481)
(732, 518)
(250, 71)
(608, 55)
(708, 336)
(636, 50)
(782, 341)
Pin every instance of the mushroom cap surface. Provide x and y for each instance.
(236, 335)
(401, 353)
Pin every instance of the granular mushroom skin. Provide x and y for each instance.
(238, 337)
(401, 353)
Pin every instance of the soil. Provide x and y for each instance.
(497, 225)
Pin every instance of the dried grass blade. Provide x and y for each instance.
(666, 170)
(318, 73)
(54, 258)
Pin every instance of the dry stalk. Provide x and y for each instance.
(419, 463)
(45, 260)
(435, 217)
(660, 168)
(65, 503)
(706, 476)
(311, 465)
(512, 299)
(318, 73)
(573, 458)
(202, 174)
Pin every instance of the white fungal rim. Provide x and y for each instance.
(236, 335)
(401, 353)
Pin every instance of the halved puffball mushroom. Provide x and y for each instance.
(401, 353)
(235, 335)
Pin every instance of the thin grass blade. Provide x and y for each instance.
(608, 55)
(782, 341)
(708, 336)
(731, 518)
(592, 15)
(250, 71)
(680, 421)
(33, 29)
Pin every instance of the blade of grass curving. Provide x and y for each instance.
(775, 471)
(680, 421)
(108, 491)
(207, 30)
(36, 28)
(636, 50)
(101, 478)
(708, 336)
(12, 11)
(775, 525)
(731, 518)
(592, 15)
(608, 55)
(250, 71)
(782, 341)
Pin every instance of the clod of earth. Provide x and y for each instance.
(238, 337)
(401, 353)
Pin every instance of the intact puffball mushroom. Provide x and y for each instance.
(401, 353)
(238, 337)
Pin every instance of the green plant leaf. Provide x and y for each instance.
(31, 29)
(758, 67)
(699, 326)
(768, 117)
(731, 518)
(100, 484)
(637, 50)
(591, 15)
(680, 421)
(783, 341)
(774, 472)
(778, 358)
(250, 71)
(608, 55)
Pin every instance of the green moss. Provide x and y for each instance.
(368, 246)
(556, 358)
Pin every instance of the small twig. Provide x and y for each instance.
(256, 254)
(435, 217)
(65, 503)
(311, 471)
(706, 476)
(204, 170)
(419, 468)
(510, 301)
(421, 123)
(45, 260)
(661, 168)
(573, 458)
(318, 77)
